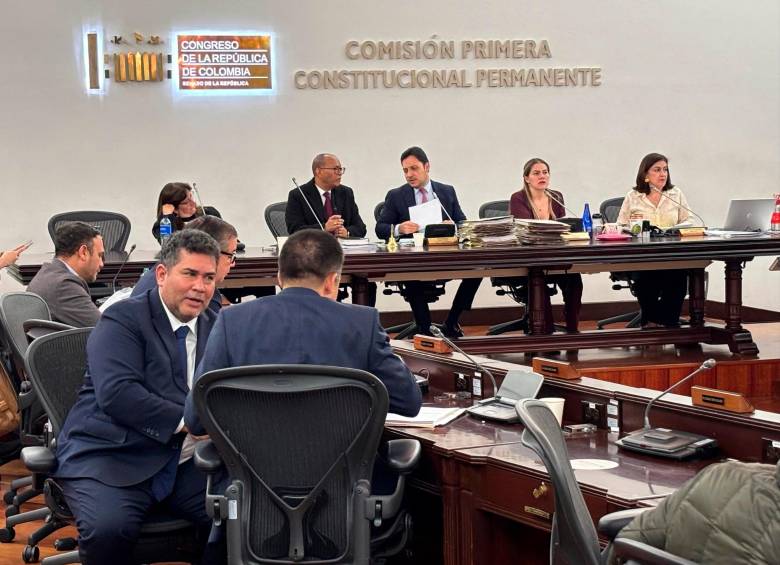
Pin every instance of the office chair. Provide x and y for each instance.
(114, 228)
(15, 309)
(56, 364)
(34, 329)
(573, 538)
(299, 442)
(274, 218)
(431, 292)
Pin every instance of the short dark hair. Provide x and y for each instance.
(529, 165)
(648, 161)
(415, 152)
(310, 254)
(72, 235)
(192, 241)
(217, 228)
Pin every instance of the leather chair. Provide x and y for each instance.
(300, 442)
(574, 539)
(274, 219)
(432, 293)
(56, 364)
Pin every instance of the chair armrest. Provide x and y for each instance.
(611, 524)
(401, 455)
(39, 459)
(647, 554)
(207, 457)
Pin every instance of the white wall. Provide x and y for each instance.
(697, 80)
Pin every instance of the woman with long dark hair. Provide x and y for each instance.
(177, 204)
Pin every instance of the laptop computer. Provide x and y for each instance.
(746, 216)
(501, 408)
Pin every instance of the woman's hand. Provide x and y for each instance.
(168, 209)
(9, 257)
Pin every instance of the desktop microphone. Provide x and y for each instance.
(665, 442)
(438, 333)
(448, 216)
(308, 204)
(552, 197)
(197, 194)
(662, 193)
(113, 282)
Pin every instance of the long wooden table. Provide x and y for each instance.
(257, 267)
(481, 497)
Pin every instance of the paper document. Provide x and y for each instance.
(424, 214)
(429, 417)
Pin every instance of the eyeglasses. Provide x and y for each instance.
(228, 254)
(339, 170)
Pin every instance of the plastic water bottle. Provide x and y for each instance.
(587, 222)
(774, 226)
(165, 230)
(598, 223)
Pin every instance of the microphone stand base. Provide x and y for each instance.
(670, 444)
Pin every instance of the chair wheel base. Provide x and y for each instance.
(31, 554)
(65, 544)
(8, 497)
(7, 535)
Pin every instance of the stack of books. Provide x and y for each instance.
(488, 232)
(537, 232)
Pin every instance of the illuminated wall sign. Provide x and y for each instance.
(215, 62)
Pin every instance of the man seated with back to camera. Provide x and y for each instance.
(419, 189)
(62, 283)
(227, 238)
(124, 447)
(325, 203)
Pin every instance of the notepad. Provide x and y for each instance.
(429, 417)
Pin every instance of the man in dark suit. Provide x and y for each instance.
(62, 283)
(227, 238)
(333, 204)
(305, 324)
(124, 446)
(419, 189)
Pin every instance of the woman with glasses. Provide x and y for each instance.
(656, 199)
(177, 204)
(536, 201)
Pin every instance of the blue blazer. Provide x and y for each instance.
(398, 201)
(300, 326)
(121, 431)
(148, 281)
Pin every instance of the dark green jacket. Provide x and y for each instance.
(728, 514)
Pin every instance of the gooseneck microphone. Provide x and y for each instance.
(446, 214)
(552, 197)
(708, 364)
(662, 193)
(308, 204)
(438, 333)
(122, 266)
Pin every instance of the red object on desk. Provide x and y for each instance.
(613, 236)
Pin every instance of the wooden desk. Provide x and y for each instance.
(473, 495)
(257, 267)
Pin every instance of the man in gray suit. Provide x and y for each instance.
(78, 258)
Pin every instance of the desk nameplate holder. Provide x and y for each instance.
(723, 400)
(555, 369)
(441, 240)
(431, 344)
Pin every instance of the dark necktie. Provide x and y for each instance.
(164, 480)
(328, 205)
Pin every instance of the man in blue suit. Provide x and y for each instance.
(419, 189)
(124, 446)
(304, 324)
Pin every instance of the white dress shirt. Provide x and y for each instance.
(666, 214)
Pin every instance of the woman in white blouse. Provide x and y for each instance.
(655, 198)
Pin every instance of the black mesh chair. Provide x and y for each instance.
(34, 329)
(274, 218)
(299, 442)
(431, 292)
(56, 364)
(573, 538)
(114, 227)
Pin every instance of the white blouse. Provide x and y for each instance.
(669, 211)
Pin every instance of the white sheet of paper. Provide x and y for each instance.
(424, 214)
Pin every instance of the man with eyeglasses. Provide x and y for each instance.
(63, 283)
(227, 238)
(329, 205)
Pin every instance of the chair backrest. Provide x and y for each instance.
(56, 364)
(15, 309)
(494, 209)
(378, 211)
(301, 441)
(610, 209)
(114, 227)
(574, 539)
(274, 218)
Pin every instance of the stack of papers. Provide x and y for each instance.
(541, 231)
(361, 243)
(489, 232)
(429, 417)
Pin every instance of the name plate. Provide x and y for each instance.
(432, 344)
(555, 369)
(724, 400)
